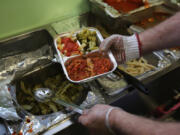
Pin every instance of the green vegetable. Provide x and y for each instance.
(88, 40)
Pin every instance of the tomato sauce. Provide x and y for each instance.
(70, 47)
(83, 67)
(101, 65)
(156, 18)
(126, 5)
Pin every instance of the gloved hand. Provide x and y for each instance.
(95, 119)
(124, 48)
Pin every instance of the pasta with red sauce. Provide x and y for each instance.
(83, 67)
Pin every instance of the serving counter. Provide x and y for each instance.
(28, 59)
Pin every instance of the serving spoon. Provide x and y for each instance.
(45, 94)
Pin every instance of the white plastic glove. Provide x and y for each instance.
(94, 119)
(124, 48)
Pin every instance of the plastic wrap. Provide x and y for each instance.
(7, 109)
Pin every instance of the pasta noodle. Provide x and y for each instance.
(137, 67)
(63, 90)
(83, 67)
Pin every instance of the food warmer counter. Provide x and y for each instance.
(30, 61)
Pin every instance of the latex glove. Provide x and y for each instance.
(124, 48)
(94, 119)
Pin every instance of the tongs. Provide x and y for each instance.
(134, 82)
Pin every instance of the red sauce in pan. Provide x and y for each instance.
(126, 5)
(83, 67)
(156, 18)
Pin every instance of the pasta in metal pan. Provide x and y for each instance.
(137, 67)
(63, 89)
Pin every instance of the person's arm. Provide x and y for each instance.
(123, 123)
(128, 124)
(164, 35)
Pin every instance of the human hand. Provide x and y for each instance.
(94, 119)
(124, 48)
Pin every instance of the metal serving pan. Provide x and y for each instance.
(155, 59)
(38, 77)
(63, 59)
(148, 13)
(98, 6)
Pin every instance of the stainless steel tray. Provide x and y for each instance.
(63, 59)
(101, 6)
(160, 62)
(39, 78)
(148, 13)
(155, 59)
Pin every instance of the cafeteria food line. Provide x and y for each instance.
(39, 65)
